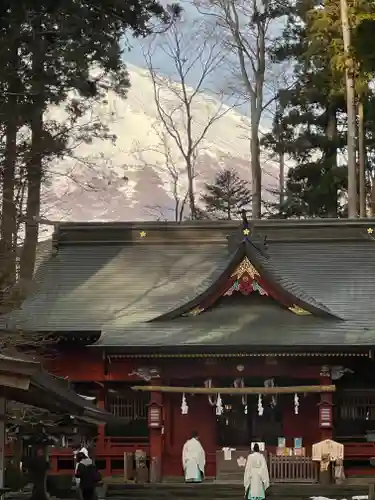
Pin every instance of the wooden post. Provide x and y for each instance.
(371, 492)
(100, 444)
(2, 439)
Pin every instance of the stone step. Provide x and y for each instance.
(226, 490)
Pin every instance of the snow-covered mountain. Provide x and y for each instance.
(135, 178)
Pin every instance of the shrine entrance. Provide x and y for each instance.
(242, 421)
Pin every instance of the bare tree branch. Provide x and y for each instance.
(195, 60)
(247, 34)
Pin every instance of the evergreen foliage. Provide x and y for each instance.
(226, 196)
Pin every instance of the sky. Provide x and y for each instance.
(161, 60)
(164, 65)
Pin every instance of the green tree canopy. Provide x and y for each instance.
(226, 196)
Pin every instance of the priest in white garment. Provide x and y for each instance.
(256, 477)
(193, 459)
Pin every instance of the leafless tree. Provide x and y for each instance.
(162, 157)
(249, 30)
(196, 58)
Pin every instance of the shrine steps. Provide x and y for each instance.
(217, 490)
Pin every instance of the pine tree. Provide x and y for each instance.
(310, 122)
(226, 196)
(50, 50)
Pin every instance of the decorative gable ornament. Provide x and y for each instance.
(145, 373)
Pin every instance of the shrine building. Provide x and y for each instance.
(243, 332)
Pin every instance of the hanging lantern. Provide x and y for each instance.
(296, 404)
(208, 385)
(325, 414)
(184, 406)
(219, 405)
(260, 405)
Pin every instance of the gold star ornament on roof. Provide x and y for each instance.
(142, 234)
(370, 230)
(246, 232)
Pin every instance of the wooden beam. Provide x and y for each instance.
(14, 381)
(239, 390)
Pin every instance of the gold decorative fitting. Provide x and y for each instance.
(298, 310)
(194, 312)
(245, 267)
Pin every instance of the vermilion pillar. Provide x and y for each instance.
(325, 406)
(100, 442)
(156, 430)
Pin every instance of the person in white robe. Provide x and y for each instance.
(193, 459)
(256, 477)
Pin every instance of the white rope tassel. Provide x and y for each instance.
(184, 406)
(219, 405)
(260, 405)
(296, 404)
(211, 398)
(240, 383)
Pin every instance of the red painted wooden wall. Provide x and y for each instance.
(178, 429)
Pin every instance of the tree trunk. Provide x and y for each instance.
(256, 174)
(351, 114)
(34, 165)
(8, 213)
(331, 157)
(362, 159)
(191, 193)
(281, 179)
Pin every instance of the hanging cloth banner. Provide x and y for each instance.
(219, 405)
(240, 383)
(260, 405)
(184, 406)
(211, 398)
(296, 404)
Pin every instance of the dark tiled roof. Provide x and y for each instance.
(46, 391)
(84, 287)
(118, 287)
(239, 324)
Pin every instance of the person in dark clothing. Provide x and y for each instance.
(88, 477)
(37, 468)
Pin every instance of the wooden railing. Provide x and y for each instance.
(292, 470)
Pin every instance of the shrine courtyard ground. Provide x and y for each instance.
(220, 491)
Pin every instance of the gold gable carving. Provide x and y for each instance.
(245, 267)
(299, 311)
(243, 271)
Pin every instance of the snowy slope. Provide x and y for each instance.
(129, 180)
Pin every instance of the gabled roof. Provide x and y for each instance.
(253, 260)
(107, 279)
